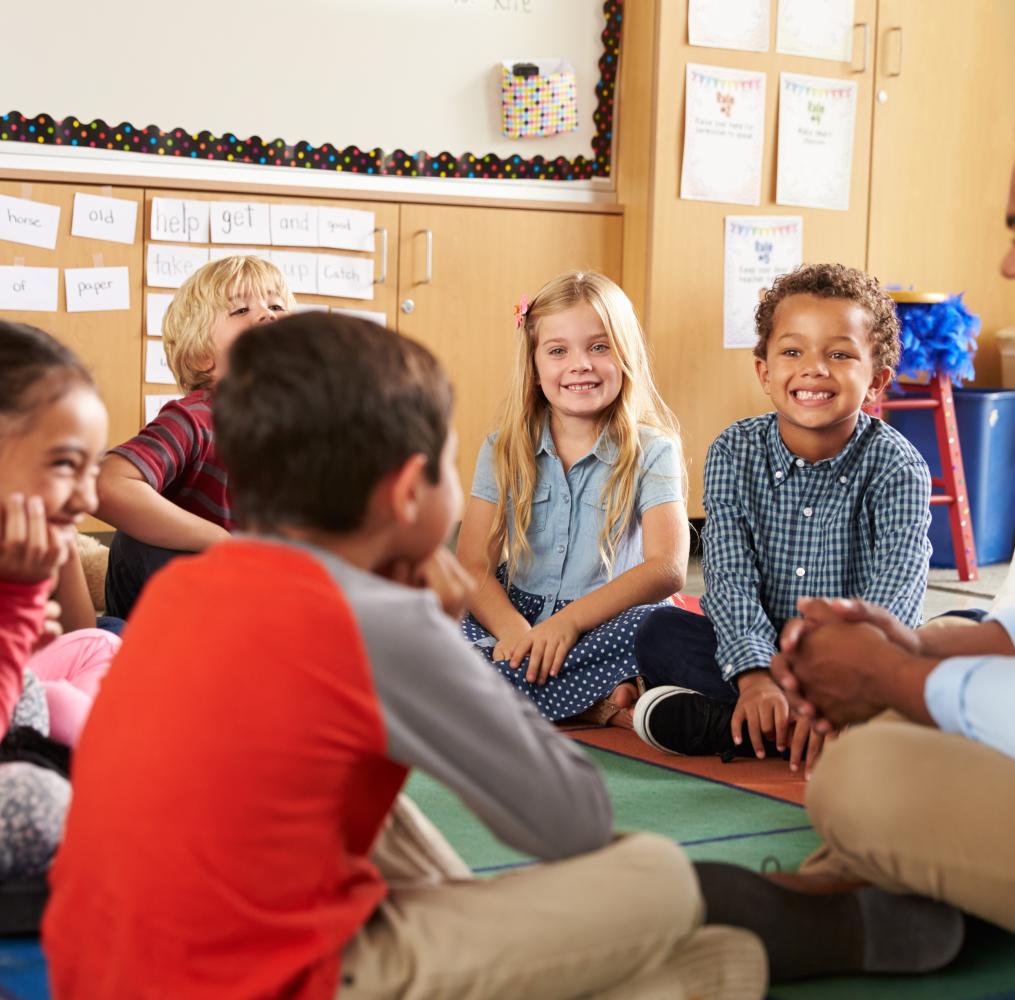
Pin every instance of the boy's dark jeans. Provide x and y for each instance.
(130, 564)
(673, 646)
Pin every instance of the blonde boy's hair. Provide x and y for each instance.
(638, 405)
(186, 329)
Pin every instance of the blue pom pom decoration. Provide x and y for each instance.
(938, 337)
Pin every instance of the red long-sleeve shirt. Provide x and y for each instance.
(22, 609)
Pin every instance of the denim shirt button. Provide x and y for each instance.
(561, 549)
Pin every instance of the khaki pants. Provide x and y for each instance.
(912, 809)
(622, 922)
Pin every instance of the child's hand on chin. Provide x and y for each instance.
(440, 572)
(31, 549)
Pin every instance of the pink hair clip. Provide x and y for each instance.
(521, 311)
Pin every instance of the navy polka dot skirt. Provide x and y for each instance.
(596, 664)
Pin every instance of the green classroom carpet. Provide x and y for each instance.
(721, 815)
(743, 812)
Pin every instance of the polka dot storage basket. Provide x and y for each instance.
(538, 99)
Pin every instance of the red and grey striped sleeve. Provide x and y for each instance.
(163, 449)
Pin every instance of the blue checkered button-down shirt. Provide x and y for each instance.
(779, 528)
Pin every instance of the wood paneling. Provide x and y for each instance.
(484, 260)
(109, 343)
(944, 142)
(706, 385)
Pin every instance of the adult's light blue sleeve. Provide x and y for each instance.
(484, 483)
(975, 695)
(661, 479)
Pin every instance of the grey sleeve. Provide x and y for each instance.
(450, 715)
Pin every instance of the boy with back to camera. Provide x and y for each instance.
(814, 499)
(165, 490)
(228, 792)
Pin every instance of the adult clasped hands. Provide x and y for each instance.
(844, 661)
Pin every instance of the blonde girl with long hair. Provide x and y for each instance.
(576, 527)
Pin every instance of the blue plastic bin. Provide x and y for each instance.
(986, 421)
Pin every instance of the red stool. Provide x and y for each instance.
(937, 396)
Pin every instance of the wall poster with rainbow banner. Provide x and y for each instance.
(817, 118)
(758, 249)
(724, 135)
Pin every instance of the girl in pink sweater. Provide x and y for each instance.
(53, 430)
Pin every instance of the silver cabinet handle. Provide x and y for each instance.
(428, 233)
(888, 33)
(866, 35)
(383, 230)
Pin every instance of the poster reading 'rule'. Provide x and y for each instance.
(724, 134)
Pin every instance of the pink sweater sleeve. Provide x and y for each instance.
(22, 609)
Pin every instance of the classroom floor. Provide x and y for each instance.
(743, 812)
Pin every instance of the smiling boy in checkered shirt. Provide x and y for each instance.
(814, 499)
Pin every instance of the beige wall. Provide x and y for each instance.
(927, 194)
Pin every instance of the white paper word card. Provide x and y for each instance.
(724, 135)
(33, 223)
(153, 402)
(170, 267)
(100, 218)
(156, 367)
(821, 29)
(758, 249)
(155, 312)
(345, 277)
(294, 225)
(379, 318)
(97, 289)
(299, 270)
(816, 121)
(220, 253)
(30, 289)
(179, 221)
(309, 307)
(345, 229)
(729, 24)
(240, 222)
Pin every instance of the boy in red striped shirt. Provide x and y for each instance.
(165, 490)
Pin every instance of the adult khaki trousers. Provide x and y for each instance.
(622, 922)
(912, 809)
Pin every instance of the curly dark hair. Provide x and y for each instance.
(835, 281)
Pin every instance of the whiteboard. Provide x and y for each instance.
(411, 75)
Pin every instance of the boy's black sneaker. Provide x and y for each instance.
(678, 720)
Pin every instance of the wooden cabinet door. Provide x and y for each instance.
(109, 343)
(461, 272)
(709, 386)
(942, 155)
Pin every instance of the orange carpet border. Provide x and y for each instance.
(770, 777)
